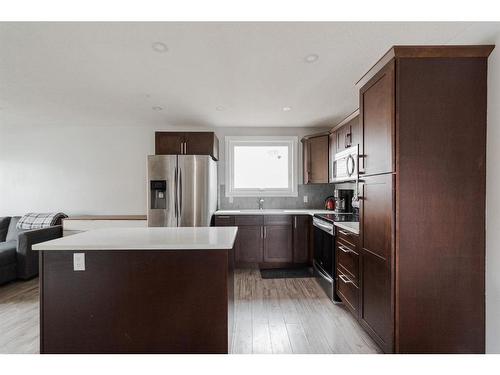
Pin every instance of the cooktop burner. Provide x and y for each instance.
(339, 217)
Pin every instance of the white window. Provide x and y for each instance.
(261, 166)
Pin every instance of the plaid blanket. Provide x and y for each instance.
(37, 221)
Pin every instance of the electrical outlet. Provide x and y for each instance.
(78, 261)
(305, 199)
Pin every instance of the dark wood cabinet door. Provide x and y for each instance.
(318, 162)
(187, 143)
(377, 110)
(376, 271)
(278, 244)
(168, 143)
(249, 245)
(224, 221)
(301, 233)
(201, 143)
(306, 158)
(332, 150)
(342, 138)
(356, 136)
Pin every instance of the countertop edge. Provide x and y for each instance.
(346, 227)
(53, 245)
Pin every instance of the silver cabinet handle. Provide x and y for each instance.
(265, 232)
(295, 222)
(345, 279)
(182, 143)
(345, 249)
(185, 148)
(261, 233)
(344, 232)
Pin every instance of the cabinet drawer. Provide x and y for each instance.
(348, 258)
(349, 238)
(224, 221)
(248, 220)
(347, 291)
(278, 220)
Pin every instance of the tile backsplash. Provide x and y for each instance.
(316, 194)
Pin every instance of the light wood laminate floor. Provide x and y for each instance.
(292, 316)
(271, 316)
(19, 317)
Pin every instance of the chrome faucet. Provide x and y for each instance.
(261, 203)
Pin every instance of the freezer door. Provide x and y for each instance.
(161, 188)
(197, 186)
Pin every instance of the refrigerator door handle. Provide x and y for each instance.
(180, 193)
(175, 192)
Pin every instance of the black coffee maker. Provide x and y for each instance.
(343, 200)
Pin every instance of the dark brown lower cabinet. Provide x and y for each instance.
(278, 244)
(270, 240)
(377, 248)
(347, 264)
(301, 238)
(249, 246)
(347, 290)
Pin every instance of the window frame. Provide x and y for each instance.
(290, 141)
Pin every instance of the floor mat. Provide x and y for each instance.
(286, 273)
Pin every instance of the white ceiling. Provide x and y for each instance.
(108, 73)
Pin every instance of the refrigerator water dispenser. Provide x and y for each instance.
(158, 194)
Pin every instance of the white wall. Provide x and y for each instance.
(493, 205)
(85, 169)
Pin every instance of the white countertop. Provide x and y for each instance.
(351, 226)
(266, 211)
(199, 238)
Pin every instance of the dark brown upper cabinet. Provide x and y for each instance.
(187, 143)
(344, 135)
(377, 100)
(315, 158)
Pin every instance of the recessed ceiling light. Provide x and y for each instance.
(157, 108)
(311, 58)
(220, 108)
(286, 109)
(159, 47)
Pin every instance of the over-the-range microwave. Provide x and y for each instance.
(345, 165)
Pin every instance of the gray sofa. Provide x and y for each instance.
(17, 261)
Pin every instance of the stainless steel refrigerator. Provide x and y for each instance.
(182, 190)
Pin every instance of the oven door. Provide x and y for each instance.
(323, 262)
(345, 165)
(323, 247)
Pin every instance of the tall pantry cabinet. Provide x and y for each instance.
(422, 199)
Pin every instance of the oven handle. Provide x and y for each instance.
(322, 273)
(324, 227)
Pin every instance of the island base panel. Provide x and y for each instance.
(136, 302)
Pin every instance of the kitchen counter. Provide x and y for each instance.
(269, 211)
(138, 290)
(347, 225)
(351, 226)
(200, 238)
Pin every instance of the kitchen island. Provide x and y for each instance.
(137, 290)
